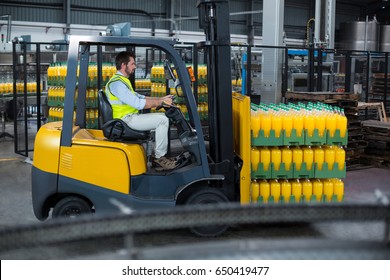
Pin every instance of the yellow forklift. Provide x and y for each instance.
(78, 170)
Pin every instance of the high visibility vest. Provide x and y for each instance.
(119, 109)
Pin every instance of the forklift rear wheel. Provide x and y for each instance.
(71, 207)
(207, 196)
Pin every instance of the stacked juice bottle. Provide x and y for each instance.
(298, 124)
(297, 190)
(293, 170)
(56, 91)
(159, 89)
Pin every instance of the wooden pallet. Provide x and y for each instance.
(381, 76)
(326, 97)
(377, 135)
(376, 124)
(374, 105)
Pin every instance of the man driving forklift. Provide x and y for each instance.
(126, 103)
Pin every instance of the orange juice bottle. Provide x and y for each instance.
(328, 189)
(285, 187)
(339, 157)
(330, 124)
(296, 189)
(255, 191)
(153, 74)
(91, 115)
(287, 157)
(255, 123)
(265, 157)
(88, 96)
(62, 94)
(307, 189)
(62, 71)
(329, 157)
(276, 157)
(255, 158)
(297, 157)
(105, 73)
(341, 123)
(319, 157)
(57, 94)
(287, 123)
(308, 157)
(49, 93)
(298, 123)
(50, 114)
(276, 123)
(96, 112)
(308, 123)
(320, 123)
(275, 190)
(265, 190)
(265, 123)
(338, 189)
(318, 189)
(49, 74)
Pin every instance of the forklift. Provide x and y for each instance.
(79, 171)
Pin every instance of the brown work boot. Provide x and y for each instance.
(164, 163)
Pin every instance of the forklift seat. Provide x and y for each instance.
(116, 129)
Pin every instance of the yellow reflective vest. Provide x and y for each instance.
(119, 109)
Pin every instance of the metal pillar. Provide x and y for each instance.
(330, 12)
(317, 23)
(272, 59)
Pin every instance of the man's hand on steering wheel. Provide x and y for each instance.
(166, 102)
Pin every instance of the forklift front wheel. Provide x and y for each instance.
(71, 207)
(206, 196)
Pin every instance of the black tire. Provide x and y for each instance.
(71, 207)
(206, 196)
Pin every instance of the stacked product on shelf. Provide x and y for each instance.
(56, 91)
(237, 83)
(143, 84)
(159, 89)
(8, 88)
(297, 152)
(203, 107)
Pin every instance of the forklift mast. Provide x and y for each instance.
(214, 19)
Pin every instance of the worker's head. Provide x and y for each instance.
(125, 62)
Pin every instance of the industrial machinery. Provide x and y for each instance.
(78, 170)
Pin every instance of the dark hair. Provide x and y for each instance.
(123, 57)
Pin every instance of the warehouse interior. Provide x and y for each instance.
(324, 63)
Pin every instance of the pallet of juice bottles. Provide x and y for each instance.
(298, 124)
(56, 97)
(56, 74)
(297, 191)
(298, 162)
(296, 144)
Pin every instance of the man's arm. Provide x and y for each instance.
(120, 90)
(152, 102)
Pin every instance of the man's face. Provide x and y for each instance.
(130, 67)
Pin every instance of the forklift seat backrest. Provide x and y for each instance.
(105, 108)
(116, 129)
